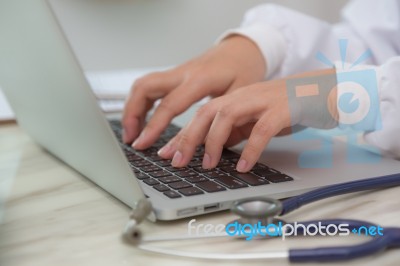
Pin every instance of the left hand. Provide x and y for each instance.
(257, 112)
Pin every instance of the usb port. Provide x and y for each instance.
(211, 207)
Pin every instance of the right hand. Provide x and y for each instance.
(234, 63)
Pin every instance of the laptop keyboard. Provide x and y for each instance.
(158, 173)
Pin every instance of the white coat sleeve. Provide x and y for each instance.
(290, 42)
(386, 131)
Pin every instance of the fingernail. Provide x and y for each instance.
(164, 151)
(206, 161)
(177, 159)
(241, 166)
(138, 141)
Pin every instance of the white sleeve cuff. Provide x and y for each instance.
(268, 39)
(358, 102)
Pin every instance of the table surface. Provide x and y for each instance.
(51, 215)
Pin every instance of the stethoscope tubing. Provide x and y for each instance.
(343, 253)
(296, 202)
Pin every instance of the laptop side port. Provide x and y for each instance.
(211, 207)
(185, 212)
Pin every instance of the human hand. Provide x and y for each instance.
(257, 112)
(234, 63)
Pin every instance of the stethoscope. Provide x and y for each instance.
(266, 210)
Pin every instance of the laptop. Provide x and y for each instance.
(54, 104)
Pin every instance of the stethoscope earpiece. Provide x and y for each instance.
(131, 233)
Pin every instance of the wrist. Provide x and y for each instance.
(312, 98)
(245, 54)
(269, 41)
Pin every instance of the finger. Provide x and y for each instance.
(231, 125)
(217, 136)
(265, 128)
(143, 94)
(169, 149)
(193, 135)
(175, 103)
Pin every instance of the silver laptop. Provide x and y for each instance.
(55, 106)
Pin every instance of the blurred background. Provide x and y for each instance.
(117, 41)
(115, 34)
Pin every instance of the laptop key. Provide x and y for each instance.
(164, 163)
(160, 173)
(159, 143)
(224, 162)
(161, 187)
(195, 163)
(179, 185)
(141, 176)
(133, 157)
(230, 182)
(150, 168)
(228, 169)
(202, 170)
(215, 174)
(196, 179)
(154, 158)
(198, 155)
(136, 171)
(174, 169)
(148, 152)
(259, 166)
(279, 178)
(186, 173)
(140, 163)
(191, 191)
(250, 179)
(169, 179)
(151, 181)
(234, 160)
(210, 186)
(229, 154)
(265, 172)
(172, 194)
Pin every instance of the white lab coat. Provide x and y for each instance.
(289, 42)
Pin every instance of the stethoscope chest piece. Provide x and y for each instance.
(257, 210)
